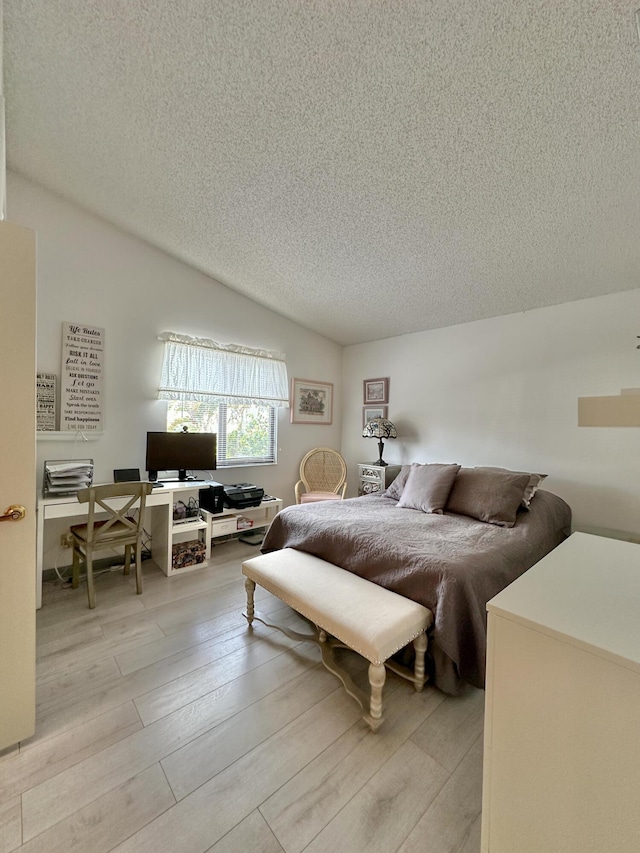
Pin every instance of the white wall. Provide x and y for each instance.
(501, 391)
(90, 272)
(504, 392)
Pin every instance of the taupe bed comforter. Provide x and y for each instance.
(452, 564)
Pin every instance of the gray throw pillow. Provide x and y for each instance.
(394, 489)
(491, 496)
(428, 487)
(532, 486)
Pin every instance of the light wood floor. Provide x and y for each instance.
(165, 724)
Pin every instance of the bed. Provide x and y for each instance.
(449, 562)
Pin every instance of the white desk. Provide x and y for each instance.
(163, 530)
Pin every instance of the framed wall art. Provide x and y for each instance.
(370, 412)
(311, 402)
(376, 391)
(45, 402)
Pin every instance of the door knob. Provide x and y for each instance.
(13, 513)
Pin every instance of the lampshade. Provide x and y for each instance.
(380, 428)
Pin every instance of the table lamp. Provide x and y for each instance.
(380, 428)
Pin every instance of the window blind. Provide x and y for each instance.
(206, 371)
(231, 454)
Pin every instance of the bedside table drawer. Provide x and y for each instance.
(372, 472)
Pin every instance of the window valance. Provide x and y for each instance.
(206, 371)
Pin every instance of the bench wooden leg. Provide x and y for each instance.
(377, 676)
(250, 587)
(420, 646)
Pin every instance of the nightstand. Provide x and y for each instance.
(375, 478)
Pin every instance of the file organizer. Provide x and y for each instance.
(66, 476)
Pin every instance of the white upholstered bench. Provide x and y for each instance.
(354, 612)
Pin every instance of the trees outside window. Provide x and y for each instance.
(247, 434)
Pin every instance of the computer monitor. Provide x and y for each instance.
(181, 451)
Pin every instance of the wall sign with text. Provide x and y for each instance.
(45, 402)
(81, 393)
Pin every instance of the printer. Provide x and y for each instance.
(242, 495)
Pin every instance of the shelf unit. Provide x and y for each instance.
(166, 532)
(186, 532)
(226, 522)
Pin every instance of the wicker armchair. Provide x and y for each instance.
(323, 476)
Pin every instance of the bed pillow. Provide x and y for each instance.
(532, 486)
(428, 487)
(394, 490)
(492, 496)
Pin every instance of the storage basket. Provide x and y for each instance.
(187, 553)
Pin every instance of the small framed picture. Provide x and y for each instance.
(370, 412)
(311, 402)
(376, 391)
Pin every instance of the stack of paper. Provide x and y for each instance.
(65, 477)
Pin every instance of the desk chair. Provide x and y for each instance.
(116, 530)
(323, 474)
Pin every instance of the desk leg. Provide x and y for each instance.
(161, 522)
(39, 556)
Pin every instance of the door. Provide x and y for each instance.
(17, 482)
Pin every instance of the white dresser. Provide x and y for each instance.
(562, 724)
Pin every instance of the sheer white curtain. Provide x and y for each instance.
(206, 371)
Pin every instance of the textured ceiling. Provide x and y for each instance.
(366, 168)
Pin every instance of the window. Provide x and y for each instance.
(228, 389)
(247, 435)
